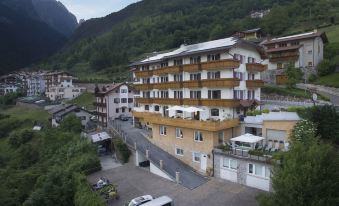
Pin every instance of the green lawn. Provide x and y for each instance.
(85, 100)
(24, 113)
(332, 33)
(286, 92)
(331, 80)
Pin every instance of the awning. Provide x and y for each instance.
(192, 109)
(175, 108)
(100, 137)
(248, 138)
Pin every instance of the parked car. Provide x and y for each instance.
(140, 200)
(123, 117)
(160, 201)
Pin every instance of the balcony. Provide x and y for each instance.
(168, 70)
(212, 102)
(145, 115)
(167, 101)
(226, 82)
(141, 74)
(208, 125)
(288, 56)
(221, 64)
(145, 86)
(254, 83)
(191, 67)
(142, 100)
(255, 67)
(167, 85)
(98, 104)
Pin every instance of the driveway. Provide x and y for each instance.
(134, 181)
(171, 165)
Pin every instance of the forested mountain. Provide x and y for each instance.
(27, 36)
(110, 43)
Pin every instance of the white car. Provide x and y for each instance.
(140, 200)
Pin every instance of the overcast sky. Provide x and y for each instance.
(86, 9)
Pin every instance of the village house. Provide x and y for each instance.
(112, 101)
(304, 51)
(191, 98)
(35, 84)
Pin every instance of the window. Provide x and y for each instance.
(156, 108)
(130, 100)
(309, 51)
(124, 91)
(259, 170)
(251, 76)
(214, 94)
(146, 94)
(178, 133)
(123, 110)
(280, 66)
(283, 44)
(310, 64)
(230, 163)
(164, 79)
(251, 94)
(239, 57)
(146, 80)
(177, 62)
(146, 107)
(196, 157)
(213, 75)
(195, 60)
(198, 136)
(238, 75)
(164, 94)
(195, 94)
(164, 64)
(178, 95)
(215, 112)
(250, 60)
(129, 109)
(117, 110)
(196, 76)
(163, 130)
(178, 77)
(294, 43)
(124, 100)
(238, 94)
(213, 57)
(179, 151)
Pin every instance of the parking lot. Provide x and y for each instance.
(133, 181)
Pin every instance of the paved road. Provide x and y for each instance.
(134, 181)
(188, 178)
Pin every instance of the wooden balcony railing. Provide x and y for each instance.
(284, 56)
(145, 115)
(168, 70)
(255, 67)
(143, 86)
(221, 64)
(254, 83)
(191, 102)
(141, 74)
(102, 114)
(225, 82)
(167, 85)
(191, 67)
(98, 104)
(208, 125)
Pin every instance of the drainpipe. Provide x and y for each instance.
(213, 162)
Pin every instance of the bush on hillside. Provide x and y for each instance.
(122, 150)
(325, 67)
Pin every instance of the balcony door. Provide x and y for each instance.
(165, 112)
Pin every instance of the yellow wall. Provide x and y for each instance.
(278, 125)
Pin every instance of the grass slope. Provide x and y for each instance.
(85, 100)
(24, 113)
(331, 80)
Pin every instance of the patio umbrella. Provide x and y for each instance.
(192, 109)
(175, 108)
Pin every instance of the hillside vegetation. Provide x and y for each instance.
(110, 43)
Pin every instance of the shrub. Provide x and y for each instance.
(298, 110)
(325, 68)
(224, 147)
(312, 78)
(304, 131)
(265, 111)
(122, 150)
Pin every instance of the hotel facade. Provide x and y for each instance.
(191, 98)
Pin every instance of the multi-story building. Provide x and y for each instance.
(192, 97)
(35, 84)
(7, 88)
(112, 101)
(59, 85)
(304, 51)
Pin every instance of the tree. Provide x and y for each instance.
(71, 124)
(325, 67)
(293, 74)
(326, 119)
(309, 175)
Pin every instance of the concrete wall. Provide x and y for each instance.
(155, 170)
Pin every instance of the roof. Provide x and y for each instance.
(192, 49)
(272, 116)
(251, 30)
(101, 136)
(307, 35)
(110, 88)
(283, 48)
(248, 138)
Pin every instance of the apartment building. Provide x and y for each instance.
(304, 51)
(191, 98)
(112, 101)
(35, 84)
(59, 85)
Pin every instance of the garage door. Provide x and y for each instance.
(273, 134)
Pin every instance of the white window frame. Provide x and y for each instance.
(163, 130)
(194, 155)
(201, 136)
(229, 160)
(179, 154)
(265, 170)
(181, 136)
